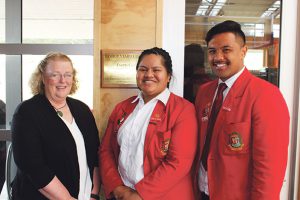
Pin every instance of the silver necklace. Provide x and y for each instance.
(60, 113)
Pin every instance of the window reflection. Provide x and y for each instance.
(260, 22)
(2, 92)
(2, 117)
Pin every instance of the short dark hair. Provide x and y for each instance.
(167, 61)
(193, 58)
(226, 26)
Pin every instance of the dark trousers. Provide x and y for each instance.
(204, 196)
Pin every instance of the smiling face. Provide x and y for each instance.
(226, 54)
(152, 77)
(58, 80)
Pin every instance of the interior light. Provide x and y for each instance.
(272, 9)
(213, 7)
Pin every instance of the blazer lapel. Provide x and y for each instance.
(205, 115)
(236, 91)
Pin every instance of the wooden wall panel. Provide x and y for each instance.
(126, 24)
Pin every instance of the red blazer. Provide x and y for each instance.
(249, 146)
(169, 151)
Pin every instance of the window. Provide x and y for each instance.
(48, 27)
(69, 23)
(2, 21)
(58, 22)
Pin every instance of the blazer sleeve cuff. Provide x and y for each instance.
(108, 189)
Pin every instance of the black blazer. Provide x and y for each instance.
(43, 146)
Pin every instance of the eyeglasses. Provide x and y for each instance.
(58, 76)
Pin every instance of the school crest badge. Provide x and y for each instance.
(165, 147)
(235, 141)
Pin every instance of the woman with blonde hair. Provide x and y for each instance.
(55, 138)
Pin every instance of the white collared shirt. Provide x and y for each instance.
(85, 182)
(131, 138)
(202, 179)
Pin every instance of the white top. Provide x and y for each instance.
(131, 138)
(202, 179)
(85, 183)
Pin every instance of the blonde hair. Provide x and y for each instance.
(36, 81)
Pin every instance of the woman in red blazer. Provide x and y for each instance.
(150, 141)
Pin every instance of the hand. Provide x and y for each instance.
(133, 196)
(121, 191)
(125, 193)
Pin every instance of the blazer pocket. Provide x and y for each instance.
(236, 138)
(164, 139)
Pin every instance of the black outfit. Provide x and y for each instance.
(43, 146)
(204, 196)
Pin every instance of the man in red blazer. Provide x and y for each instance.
(247, 153)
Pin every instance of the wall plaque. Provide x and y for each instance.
(118, 68)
